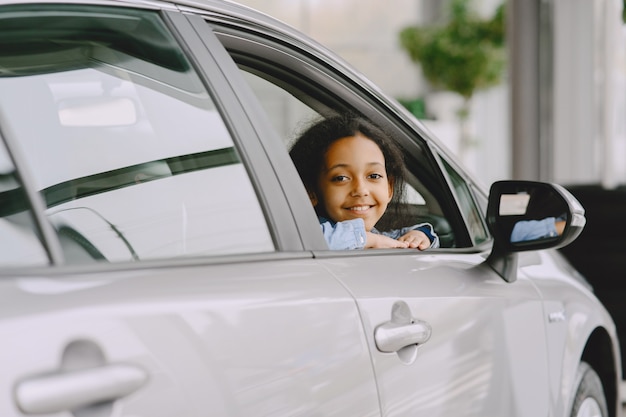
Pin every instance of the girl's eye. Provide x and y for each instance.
(339, 178)
(375, 176)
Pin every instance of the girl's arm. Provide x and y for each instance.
(421, 236)
(375, 240)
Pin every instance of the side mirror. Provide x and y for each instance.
(529, 215)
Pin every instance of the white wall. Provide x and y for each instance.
(589, 92)
(364, 33)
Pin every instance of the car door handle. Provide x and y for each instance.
(71, 390)
(391, 336)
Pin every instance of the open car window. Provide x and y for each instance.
(294, 90)
(287, 113)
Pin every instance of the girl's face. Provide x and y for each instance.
(353, 182)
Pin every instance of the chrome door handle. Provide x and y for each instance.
(391, 336)
(71, 390)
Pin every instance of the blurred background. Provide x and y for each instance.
(518, 89)
(554, 114)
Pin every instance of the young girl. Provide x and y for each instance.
(352, 171)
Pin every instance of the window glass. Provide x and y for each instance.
(467, 205)
(481, 199)
(123, 140)
(18, 236)
(287, 113)
(413, 196)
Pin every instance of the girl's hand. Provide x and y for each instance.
(380, 242)
(416, 239)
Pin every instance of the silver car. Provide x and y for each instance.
(160, 256)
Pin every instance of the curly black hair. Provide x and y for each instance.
(309, 150)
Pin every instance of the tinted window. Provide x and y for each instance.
(123, 139)
(472, 214)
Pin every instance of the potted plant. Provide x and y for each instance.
(464, 55)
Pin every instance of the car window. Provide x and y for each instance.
(287, 113)
(295, 91)
(122, 138)
(18, 234)
(289, 116)
(472, 213)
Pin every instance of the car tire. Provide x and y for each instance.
(589, 400)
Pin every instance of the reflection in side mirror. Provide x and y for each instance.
(526, 215)
(528, 230)
(531, 229)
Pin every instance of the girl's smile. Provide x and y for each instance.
(359, 208)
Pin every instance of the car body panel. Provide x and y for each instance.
(568, 318)
(245, 339)
(487, 353)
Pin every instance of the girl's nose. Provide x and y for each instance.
(360, 188)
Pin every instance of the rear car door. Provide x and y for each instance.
(151, 265)
(448, 335)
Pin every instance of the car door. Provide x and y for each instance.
(151, 265)
(448, 335)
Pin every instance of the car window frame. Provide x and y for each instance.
(276, 162)
(362, 96)
(42, 229)
(211, 61)
(467, 198)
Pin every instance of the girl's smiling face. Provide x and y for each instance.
(353, 182)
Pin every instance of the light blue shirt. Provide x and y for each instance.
(534, 229)
(350, 234)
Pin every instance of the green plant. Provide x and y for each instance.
(465, 55)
